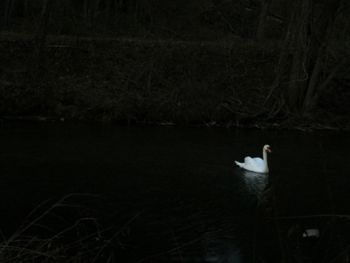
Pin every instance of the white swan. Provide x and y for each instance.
(256, 165)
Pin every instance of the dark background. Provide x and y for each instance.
(78, 191)
(232, 63)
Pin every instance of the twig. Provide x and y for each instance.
(310, 216)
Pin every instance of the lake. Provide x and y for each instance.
(161, 194)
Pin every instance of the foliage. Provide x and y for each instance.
(146, 60)
(63, 231)
(152, 81)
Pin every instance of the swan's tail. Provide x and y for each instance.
(239, 164)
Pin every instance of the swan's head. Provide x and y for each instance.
(267, 148)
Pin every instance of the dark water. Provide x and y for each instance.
(171, 193)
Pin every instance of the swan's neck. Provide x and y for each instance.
(265, 160)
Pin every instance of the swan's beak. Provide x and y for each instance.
(269, 150)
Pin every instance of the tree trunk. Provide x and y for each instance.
(86, 10)
(7, 12)
(301, 76)
(260, 32)
(319, 43)
(40, 38)
(298, 75)
(110, 11)
(25, 8)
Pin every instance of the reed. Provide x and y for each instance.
(49, 234)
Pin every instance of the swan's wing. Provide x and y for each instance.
(258, 162)
(248, 159)
(253, 164)
(249, 162)
(253, 161)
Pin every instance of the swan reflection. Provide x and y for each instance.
(223, 252)
(255, 183)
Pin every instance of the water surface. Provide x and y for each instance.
(175, 189)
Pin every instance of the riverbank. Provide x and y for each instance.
(164, 82)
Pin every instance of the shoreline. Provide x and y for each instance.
(305, 127)
(160, 82)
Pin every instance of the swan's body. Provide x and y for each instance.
(257, 164)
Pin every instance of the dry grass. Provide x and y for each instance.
(43, 239)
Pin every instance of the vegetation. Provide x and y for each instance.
(261, 63)
(267, 62)
(64, 231)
